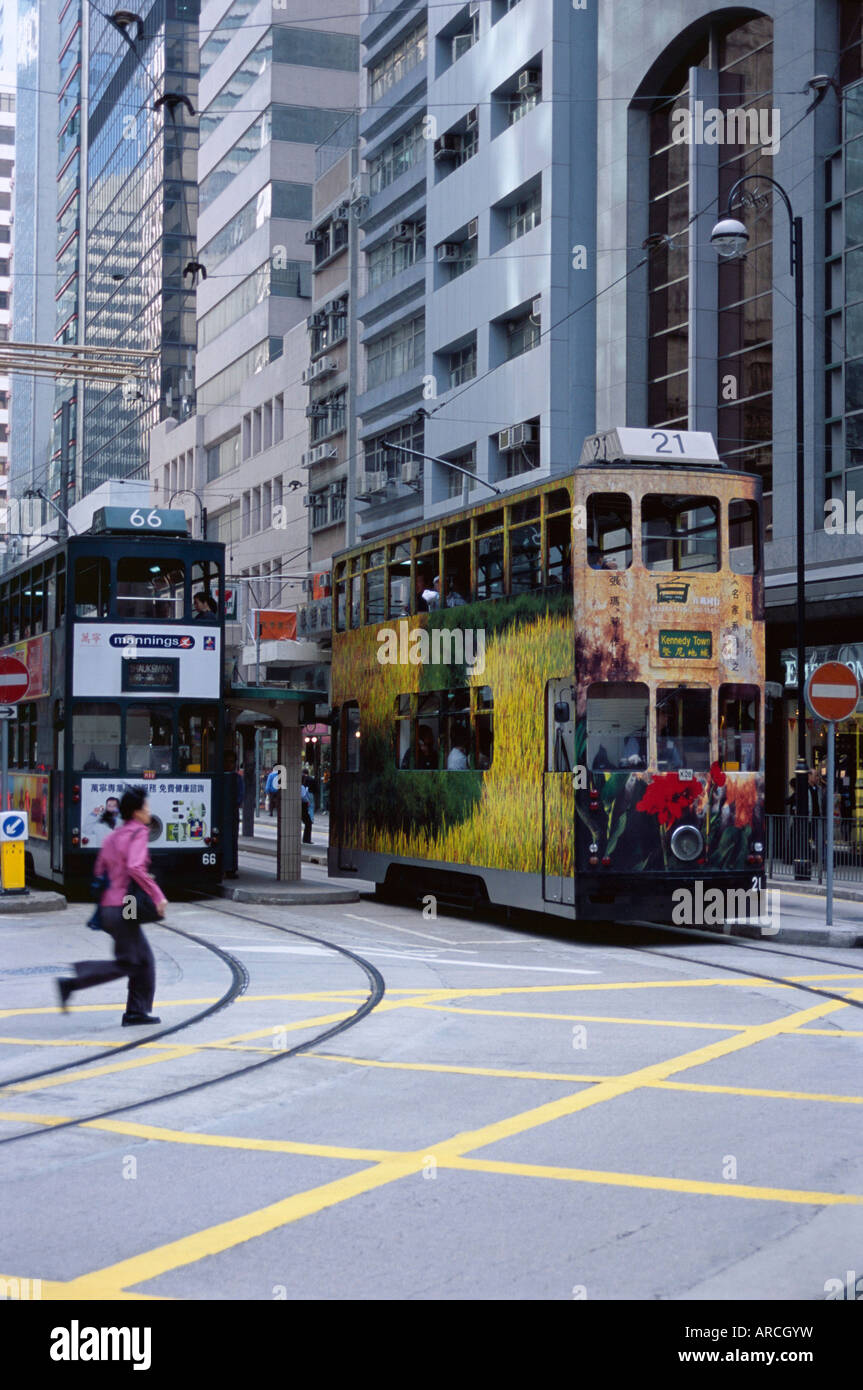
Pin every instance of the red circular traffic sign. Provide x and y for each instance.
(832, 691)
(14, 680)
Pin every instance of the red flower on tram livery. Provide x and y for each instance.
(668, 798)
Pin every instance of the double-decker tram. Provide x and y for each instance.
(121, 629)
(554, 701)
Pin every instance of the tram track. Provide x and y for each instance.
(376, 994)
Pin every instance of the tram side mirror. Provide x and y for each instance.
(772, 696)
(562, 713)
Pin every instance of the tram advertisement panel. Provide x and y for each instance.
(180, 811)
(30, 794)
(122, 659)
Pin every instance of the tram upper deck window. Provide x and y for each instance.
(559, 551)
(92, 586)
(617, 726)
(738, 728)
(609, 531)
(149, 739)
(206, 588)
(743, 536)
(96, 737)
(150, 587)
(398, 601)
(679, 533)
(683, 728)
(374, 587)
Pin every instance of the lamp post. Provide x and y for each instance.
(730, 236)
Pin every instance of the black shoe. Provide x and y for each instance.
(64, 989)
(132, 1020)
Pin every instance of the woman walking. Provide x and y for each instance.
(124, 855)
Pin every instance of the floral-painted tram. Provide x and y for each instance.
(555, 702)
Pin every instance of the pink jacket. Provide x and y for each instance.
(124, 854)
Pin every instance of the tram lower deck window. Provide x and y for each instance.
(683, 728)
(445, 730)
(679, 533)
(617, 726)
(96, 737)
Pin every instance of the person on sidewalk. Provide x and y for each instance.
(272, 791)
(307, 810)
(124, 856)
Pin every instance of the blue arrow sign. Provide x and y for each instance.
(13, 827)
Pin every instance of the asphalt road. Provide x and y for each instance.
(533, 1114)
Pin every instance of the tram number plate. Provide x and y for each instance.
(685, 774)
(208, 859)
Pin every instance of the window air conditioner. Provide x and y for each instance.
(403, 231)
(447, 146)
(359, 188)
(529, 81)
(376, 479)
(448, 252)
(312, 236)
(526, 433)
(334, 306)
(504, 440)
(536, 309)
(411, 471)
(472, 118)
(473, 228)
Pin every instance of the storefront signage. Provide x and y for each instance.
(851, 654)
(685, 645)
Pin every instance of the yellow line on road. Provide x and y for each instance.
(457, 1070)
(757, 1091)
(224, 1236)
(579, 1018)
(659, 1184)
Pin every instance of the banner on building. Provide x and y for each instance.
(275, 625)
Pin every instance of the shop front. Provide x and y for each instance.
(849, 735)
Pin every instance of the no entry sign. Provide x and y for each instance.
(14, 679)
(832, 691)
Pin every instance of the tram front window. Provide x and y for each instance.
(738, 728)
(150, 588)
(683, 729)
(609, 531)
(679, 533)
(149, 740)
(92, 586)
(617, 726)
(96, 738)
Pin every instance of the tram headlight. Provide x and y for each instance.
(687, 843)
(757, 848)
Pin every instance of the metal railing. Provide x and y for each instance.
(797, 848)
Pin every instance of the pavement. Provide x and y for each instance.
(548, 1113)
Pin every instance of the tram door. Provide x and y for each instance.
(558, 796)
(345, 786)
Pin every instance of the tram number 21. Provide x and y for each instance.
(208, 858)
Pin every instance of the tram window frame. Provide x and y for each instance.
(678, 504)
(26, 605)
(599, 556)
(398, 587)
(160, 711)
(129, 606)
(685, 710)
(38, 600)
(525, 579)
(489, 556)
(50, 596)
(102, 709)
(207, 763)
(731, 692)
(751, 524)
(557, 574)
(374, 575)
(456, 568)
(60, 616)
(341, 597)
(15, 609)
(630, 693)
(95, 570)
(467, 711)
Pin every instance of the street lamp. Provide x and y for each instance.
(432, 458)
(730, 236)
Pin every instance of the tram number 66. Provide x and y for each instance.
(208, 859)
(152, 519)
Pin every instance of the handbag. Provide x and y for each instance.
(145, 908)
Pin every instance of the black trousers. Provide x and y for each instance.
(307, 824)
(133, 958)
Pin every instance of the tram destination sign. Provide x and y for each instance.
(667, 447)
(137, 521)
(680, 645)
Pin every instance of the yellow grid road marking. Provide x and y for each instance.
(581, 1018)
(225, 1235)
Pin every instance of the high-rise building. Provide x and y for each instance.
(478, 326)
(275, 84)
(34, 211)
(7, 171)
